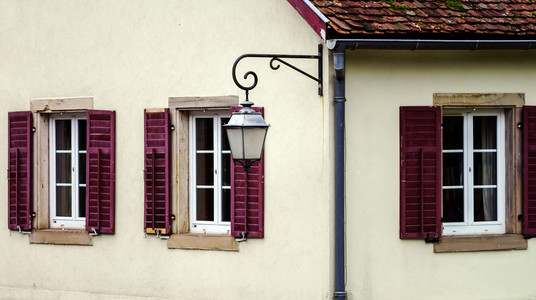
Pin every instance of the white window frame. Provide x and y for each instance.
(74, 222)
(469, 226)
(217, 226)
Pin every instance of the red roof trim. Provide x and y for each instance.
(311, 16)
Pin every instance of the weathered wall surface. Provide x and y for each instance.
(380, 265)
(131, 55)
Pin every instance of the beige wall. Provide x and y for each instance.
(131, 55)
(380, 265)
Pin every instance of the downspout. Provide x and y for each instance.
(340, 99)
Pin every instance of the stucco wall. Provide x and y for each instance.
(131, 55)
(380, 265)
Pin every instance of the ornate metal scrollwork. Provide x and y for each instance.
(275, 61)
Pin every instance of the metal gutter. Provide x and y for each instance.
(338, 47)
(421, 44)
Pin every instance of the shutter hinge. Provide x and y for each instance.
(519, 125)
(241, 239)
(433, 239)
(22, 231)
(520, 217)
(172, 127)
(33, 129)
(172, 217)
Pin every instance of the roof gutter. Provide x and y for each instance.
(338, 47)
(419, 44)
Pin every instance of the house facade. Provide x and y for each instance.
(112, 84)
(409, 177)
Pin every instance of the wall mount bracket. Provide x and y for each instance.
(274, 64)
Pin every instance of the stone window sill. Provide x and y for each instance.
(202, 242)
(469, 243)
(61, 237)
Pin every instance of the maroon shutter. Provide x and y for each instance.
(420, 172)
(100, 171)
(157, 172)
(253, 214)
(20, 170)
(529, 170)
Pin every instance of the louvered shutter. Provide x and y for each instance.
(250, 216)
(157, 172)
(20, 170)
(100, 171)
(529, 170)
(420, 172)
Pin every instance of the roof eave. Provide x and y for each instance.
(312, 16)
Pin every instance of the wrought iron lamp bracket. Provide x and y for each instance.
(274, 64)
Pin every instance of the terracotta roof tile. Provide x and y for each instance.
(427, 18)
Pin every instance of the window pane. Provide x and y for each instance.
(205, 169)
(204, 130)
(82, 202)
(485, 165)
(81, 168)
(224, 140)
(452, 169)
(453, 205)
(226, 205)
(226, 169)
(205, 204)
(63, 168)
(63, 134)
(485, 132)
(485, 205)
(453, 132)
(82, 134)
(63, 201)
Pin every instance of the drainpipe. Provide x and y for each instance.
(340, 99)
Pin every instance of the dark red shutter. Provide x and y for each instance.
(529, 170)
(251, 214)
(420, 172)
(157, 172)
(100, 171)
(20, 170)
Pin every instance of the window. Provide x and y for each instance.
(467, 172)
(68, 171)
(210, 173)
(67, 179)
(193, 190)
(473, 171)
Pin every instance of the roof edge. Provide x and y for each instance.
(312, 16)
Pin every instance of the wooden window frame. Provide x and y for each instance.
(43, 233)
(75, 221)
(512, 239)
(183, 238)
(217, 226)
(468, 226)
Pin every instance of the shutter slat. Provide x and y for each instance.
(100, 171)
(255, 199)
(157, 172)
(19, 170)
(529, 170)
(420, 172)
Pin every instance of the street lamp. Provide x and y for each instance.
(246, 132)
